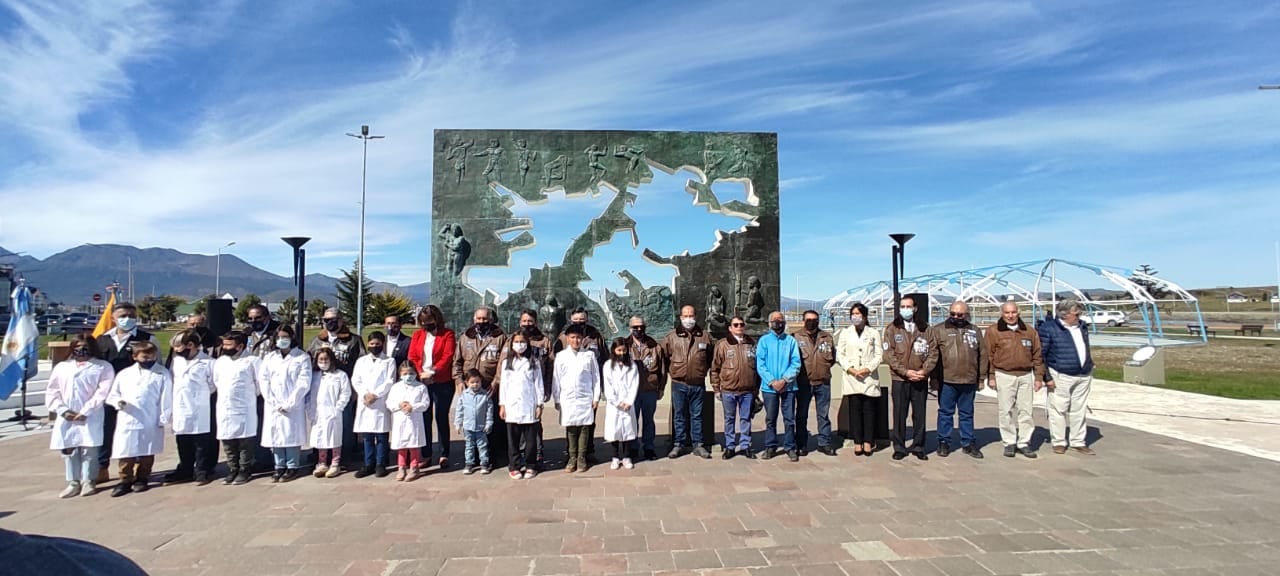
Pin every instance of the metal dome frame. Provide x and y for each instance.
(1035, 283)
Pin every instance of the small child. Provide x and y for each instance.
(142, 395)
(520, 405)
(285, 382)
(407, 400)
(235, 375)
(192, 410)
(76, 394)
(374, 374)
(330, 393)
(576, 390)
(473, 418)
(621, 382)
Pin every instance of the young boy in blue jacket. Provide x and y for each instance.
(473, 417)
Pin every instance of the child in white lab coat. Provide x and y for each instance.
(520, 405)
(576, 391)
(372, 378)
(76, 394)
(285, 382)
(330, 393)
(621, 382)
(142, 395)
(192, 410)
(407, 400)
(235, 375)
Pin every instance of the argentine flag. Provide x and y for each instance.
(18, 355)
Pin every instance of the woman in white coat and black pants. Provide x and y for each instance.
(76, 394)
(859, 351)
(621, 383)
(286, 380)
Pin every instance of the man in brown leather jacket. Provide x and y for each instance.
(734, 378)
(817, 356)
(652, 360)
(963, 361)
(1016, 373)
(480, 348)
(911, 355)
(688, 349)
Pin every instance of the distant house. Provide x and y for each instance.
(1236, 298)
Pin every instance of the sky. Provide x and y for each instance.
(1118, 133)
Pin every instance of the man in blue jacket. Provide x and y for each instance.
(1064, 342)
(778, 362)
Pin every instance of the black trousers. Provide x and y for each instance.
(262, 460)
(441, 395)
(240, 454)
(862, 417)
(521, 436)
(197, 453)
(909, 396)
(352, 451)
(498, 436)
(108, 434)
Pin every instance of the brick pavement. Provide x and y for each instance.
(1145, 505)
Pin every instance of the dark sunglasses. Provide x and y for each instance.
(737, 324)
(954, 315)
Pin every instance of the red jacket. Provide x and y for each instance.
(442, 351)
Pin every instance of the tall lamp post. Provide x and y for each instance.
(299, 278)
(217, 274)
(1277, 295)
(899, 265)
(364, 171)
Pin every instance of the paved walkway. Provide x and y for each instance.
(1147, 504)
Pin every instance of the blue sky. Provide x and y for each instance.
(1116, 133)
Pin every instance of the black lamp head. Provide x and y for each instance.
(296, 241)
(364, 130)
(902, 239)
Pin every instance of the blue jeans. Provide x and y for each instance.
(737, 420)
(787, 400)
(290, 457)
(82, 464)
(477, 447)
(953, 397)
(379, 445)
(822, 394)
(685, 397)
(647, 406)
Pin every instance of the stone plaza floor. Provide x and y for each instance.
(1145, 504)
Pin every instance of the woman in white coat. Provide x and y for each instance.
(286, 380)
(236, 376)
(371, 379)
(576, 390)
(858, 351)
(76, 393)
(520, 405)
(621, 382)
(407, 400)
(330, 393)
(143, 397)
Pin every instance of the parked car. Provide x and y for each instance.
(1107, 317)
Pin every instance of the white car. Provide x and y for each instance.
(1107, 317)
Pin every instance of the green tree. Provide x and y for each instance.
(288, 311)
(348, 288)
(315, 309)
(1155, 288)
(202, 305)
(387, 303)
(159, 308)
(242, 308)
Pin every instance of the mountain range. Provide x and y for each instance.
(74, 276)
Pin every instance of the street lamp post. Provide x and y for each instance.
(899, 265)
(299, 278)
(217, 274)
(364, 171)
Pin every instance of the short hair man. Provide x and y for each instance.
(963, 359)
(651, 360)
(1065, 345)
(397, 343)
(480, 348)
(911, 356)
(688, 350)
(1016, 373)
(778, 363)
(347, 347)
(594, 342)
(817, 356)
(116, 347)
(734, 378)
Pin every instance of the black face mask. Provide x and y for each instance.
(80, 353)
(375, 350)
(778, 326)
(395, 332)
(811, 325)
(579, 322)
(429, 327)
(257, 325)
(483, 327)
(228, 352)
(957, 322)
(638, 331)
(147, 365)
(529, 332)
(331, 325)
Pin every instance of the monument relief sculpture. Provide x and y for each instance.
(492, 169)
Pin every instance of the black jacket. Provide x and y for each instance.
(120, 358)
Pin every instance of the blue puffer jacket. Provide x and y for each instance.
(1059, 349)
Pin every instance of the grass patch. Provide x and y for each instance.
(1240, 385)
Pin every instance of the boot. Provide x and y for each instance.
(364, 472)
(242, 478)
(275, 478)
(231, 476)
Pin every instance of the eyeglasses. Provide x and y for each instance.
(737, 324)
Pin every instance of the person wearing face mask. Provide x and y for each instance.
(208, 340)
(859, 352)
(962, 359)
(193, 410)
(688, 355)
(286, 380)
(76, 393)
(651, 360)
(116, 347)
(480, 349)
(911, 355)
(432, 352)
(541, 348)
(142, 395)
(397, 342)
(236, 377)
(778, 363)
(261, 331)
(817, 356)
(593, 342)
(330, 392)
(734, 378)
(347, 348)
(374, 374)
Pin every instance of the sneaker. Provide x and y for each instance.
(530, 474)
(1028, 452)
(615, 464)
(364, 472)
(702, 453)
(515, 474)
(203, 479)
(769, 453)
(469, 470)
(231, 476)
(444, 462)
(321, 470)
(289, 475)
(401, 474)
(748, 454)
(582, 464)
(486, 469)
(793, 455)
(628, 464)
(141, 487)
(727, 454)
(242, 478)
(88, 489)
(972, 451)
(381, 472)
(72, 489)
(333, 472)
(121, 490)
(1010, 451)
(675, 453)
(275, 477)
(1084, 450)
(1059, 449)
(944, 450)
(571, 467)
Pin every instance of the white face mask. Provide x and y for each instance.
(688, 323)
(126, 323)
(857, 320)
(323, 366)
(519, 347)
(284, 343)
(907, 313)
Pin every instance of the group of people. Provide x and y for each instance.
(257, 389)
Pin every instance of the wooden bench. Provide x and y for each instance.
(1247, 329)
(1195, 330)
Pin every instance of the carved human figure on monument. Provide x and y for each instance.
(594, 153)
(525, 157)
(717, 306)
(457, 246)
(458, 153)
(554, 170)
(632, 152)
(551, 317)
(755, 300)
(492, 169)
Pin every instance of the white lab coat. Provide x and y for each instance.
(286, 380)
(238, 387)
(147, 395)
(620, 386)
(407, 430)
(576, 387)
(192, 394)
(521, 391)
(330, 392)
(81, 387)
(373, 375)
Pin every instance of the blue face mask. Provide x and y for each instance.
(127, 323)
(907, 313)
